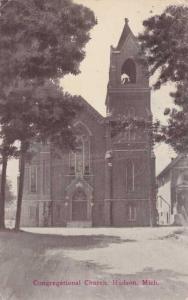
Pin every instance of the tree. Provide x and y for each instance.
(48, 116)
(7, 150)
(8, 192)
(41, 41)
(165, 44)
(43, 38)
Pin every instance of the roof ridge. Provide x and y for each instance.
(171, 164)
(91, 109)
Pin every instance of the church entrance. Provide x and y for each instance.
(79, 206)
(79, 193)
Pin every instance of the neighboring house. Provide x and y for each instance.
(164, 211)
(173, 189)
(108, 180)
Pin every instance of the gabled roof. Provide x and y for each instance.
(170, 166)
(125, 33)
(96, 115)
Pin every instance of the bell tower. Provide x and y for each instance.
(130, 199)
(128, 81)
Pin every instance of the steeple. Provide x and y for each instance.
(125, 34)
(128, 80)
(130, 165)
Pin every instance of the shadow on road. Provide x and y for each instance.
(24, 259)
(81, 242)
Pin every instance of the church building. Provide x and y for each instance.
(109, 180)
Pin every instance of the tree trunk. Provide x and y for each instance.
(2, 191)
(21, 185)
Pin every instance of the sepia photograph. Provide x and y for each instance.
(93, 149)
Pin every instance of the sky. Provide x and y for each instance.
(91, 83)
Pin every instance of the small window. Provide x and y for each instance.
(86, 172)
(185, 178)
(32, 212)
(132, 213)
(58, 211)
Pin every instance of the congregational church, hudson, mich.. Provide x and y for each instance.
(108, 180)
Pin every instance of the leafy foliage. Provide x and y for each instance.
(31, 110)
(165, 44)
(175, 134)
(43, 38)
(41, 41)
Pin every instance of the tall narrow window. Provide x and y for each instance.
(32, 212)
(72, 162)
(130, 173)
(130, 134)
(132, 213)
(79, 160)
(79, 156)
(33, 179)
(44, 176)
(58, 211)
(86, 156)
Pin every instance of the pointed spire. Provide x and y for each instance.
(125, 33)
(126, 21)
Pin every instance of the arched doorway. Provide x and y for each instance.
(79, 205)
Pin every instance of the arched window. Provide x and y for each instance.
(72, 161)
(128, 72)
(130, 174)
(79, 160)
(79, 156)
(86, 155)
(33, 179)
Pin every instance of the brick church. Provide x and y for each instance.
(108, 180)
